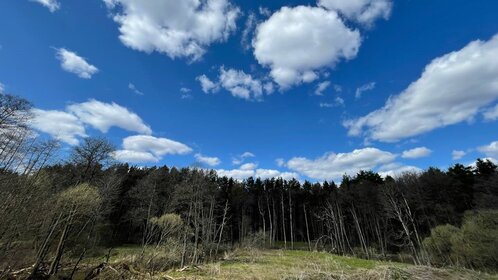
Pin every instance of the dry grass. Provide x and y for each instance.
(279, 264)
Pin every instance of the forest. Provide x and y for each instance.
(60, 208)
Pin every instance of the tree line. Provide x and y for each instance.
(59, 210)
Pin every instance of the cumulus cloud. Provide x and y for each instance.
(103, 116)
(332, 166)
(238, 83)
(207, 85)
(146, 148)
(419, 152)
(73, 63)
(249, 170)
(248, 166)
(52, 5)
(453, 88)
(456, 155)
(175, 28)
(58, 124)
(491, 114)
(296, 43)
(211, 161)
(321, 87)
(490, 150)
(367, 87)
(362, 11)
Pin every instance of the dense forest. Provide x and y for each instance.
(57, 209)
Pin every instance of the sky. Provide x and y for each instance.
(304, 89)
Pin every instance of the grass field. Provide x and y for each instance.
(264, 264)
(297, 264)
(280, 264)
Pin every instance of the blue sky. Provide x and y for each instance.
(312, 89)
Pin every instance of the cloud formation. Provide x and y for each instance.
(456, 155)
(419, 152)
(73, 63)
(52, 5)
(366, 87)
(238, 83)
(69, 125)
(321, 87)
(296, 43)
(491, 114)
(146, 148)
(490, 150)
(60, 125)
(103, 116)
(176, 28)
(361, 11)
(211, 161)
(332, 166)
(440, 97)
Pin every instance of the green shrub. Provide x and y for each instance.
(439, 246)
(474, 245)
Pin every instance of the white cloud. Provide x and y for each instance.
(398, 170)
(134, 156)
(474, 163)
(52, 5)
(185, 90)
(251, 22)
(452, 88)
(245, 171)
(491, 114)
(362, 11)
(207, 85)
(241, 158)
(175, 28)
(332, 166)
(103, 116)
(73, 63)
(321, 87)
(248, 166)
(211, 161)
(419, 152)
(238, 83)
(456, 155)
(280, 162)
(338, 102)
(363, 88)
(2, 88)
(58, 124)
(264, 11)
(490, 150)
(133, 88)
(297, 42)
(146, 148)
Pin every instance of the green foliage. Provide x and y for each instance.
(168, 224)
(474, 245)
(438, 244)
(82, 199)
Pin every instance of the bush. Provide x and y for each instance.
(474, 245)
(439, 246)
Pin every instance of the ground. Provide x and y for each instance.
(266, 264)
(300, 264)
